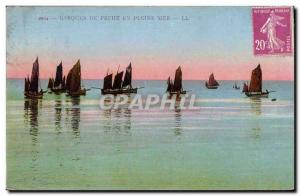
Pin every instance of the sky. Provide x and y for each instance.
(201, 40)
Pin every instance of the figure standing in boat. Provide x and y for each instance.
(175, 88)
(119, 86)
(212, 82)
(32, 86)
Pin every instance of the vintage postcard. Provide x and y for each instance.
(150, 98)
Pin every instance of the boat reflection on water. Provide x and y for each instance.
(178, 114)
(127, 116)
(107, 123)
(31, 109)
(72, 121)
(117, 120)
(74, 111)
(255, 109)
(116, 125)
(58, 115)
(255, 105)
(31, 116)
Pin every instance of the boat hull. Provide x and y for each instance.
(33, 95)
(77, 93)
(177, 92)
(57, 90)
(211, 86)
(118, 91)
(257, 94)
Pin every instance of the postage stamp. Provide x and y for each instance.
(272, 32)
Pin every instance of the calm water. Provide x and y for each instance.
(231, 142)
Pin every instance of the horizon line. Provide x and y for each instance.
(166, 79)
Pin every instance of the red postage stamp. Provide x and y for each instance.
(272, 30)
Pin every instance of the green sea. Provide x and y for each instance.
(230, 142)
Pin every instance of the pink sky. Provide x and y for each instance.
(274, 68)
(217, 40)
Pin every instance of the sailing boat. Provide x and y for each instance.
(107, 84)
(212, 82)
(50, 83)
(176, 86)
(31, 87)
(118, 86)
(236, 87)
(73, 84)
(59, 82)
(255, 88)
(170, 85)
(245, 88)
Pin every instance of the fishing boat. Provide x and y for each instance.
(236, 87)
(50, 84)
(175, 88)
(60, 81)
(212, 82)
(245, 87)
(73, 82)
(31, 87)
(255, 87)
(119, 86)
